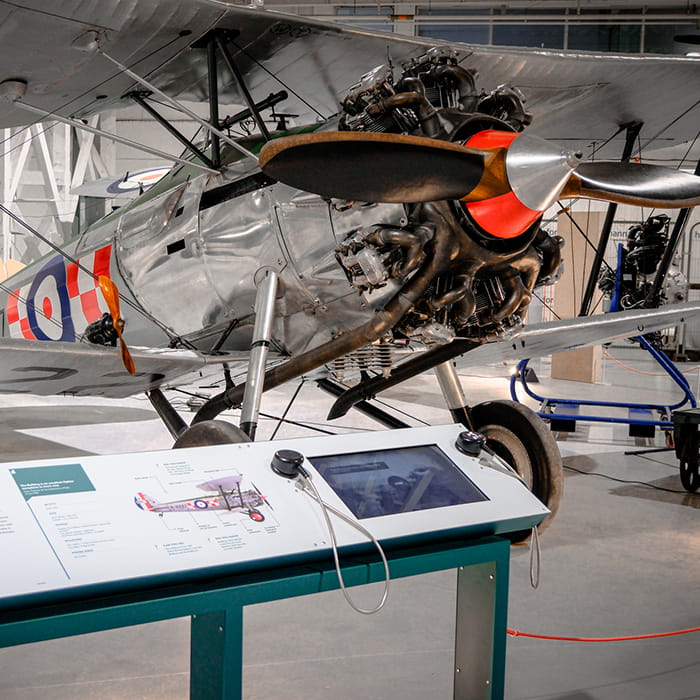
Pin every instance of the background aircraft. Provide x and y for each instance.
(381, 239)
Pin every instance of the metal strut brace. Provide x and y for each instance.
(112, 137)
(214, 101)
(652, 298)
(178, 105)
(273, 99)
(172, 419)
(369, 388)
(241, 84)
(631, 134)
(139, 98)
(262, 333)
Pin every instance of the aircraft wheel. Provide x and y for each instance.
(210, 432)
(687, 449)
(257, 516)
(521, 438)
(690, 477)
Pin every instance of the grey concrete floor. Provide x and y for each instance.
(622, 558)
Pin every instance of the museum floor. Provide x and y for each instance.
(622, 558)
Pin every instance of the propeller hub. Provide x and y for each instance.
(538, 171)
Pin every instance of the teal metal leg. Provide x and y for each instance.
(216, 655)
(480, 637)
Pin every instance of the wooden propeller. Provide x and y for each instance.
(111, 295)
(372, 167)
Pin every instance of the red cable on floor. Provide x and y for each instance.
(639, 371)
(517, 633)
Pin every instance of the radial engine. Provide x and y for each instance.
(496, 257)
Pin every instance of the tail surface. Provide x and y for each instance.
(145, 502)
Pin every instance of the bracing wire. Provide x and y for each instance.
(279, 80)
(287, 409)
(74, 261)
(547, 306)
(582, 232)
(668, 126)
(93, 88)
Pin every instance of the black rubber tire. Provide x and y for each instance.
(520, 437)
(688, 458)
(210, 432)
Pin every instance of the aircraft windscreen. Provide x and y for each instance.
(400, 480)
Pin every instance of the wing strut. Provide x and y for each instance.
(652, 298)
(178, 105)
(213, 76)
(262, 333)
(105, 134)
(241, 84)
(140, 99)
(631, 135)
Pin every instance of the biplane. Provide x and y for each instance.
(224, 493)
(393, 228)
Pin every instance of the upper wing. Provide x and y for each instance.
(558, 336)
(576, 97)
(82, 369)
(48, 46)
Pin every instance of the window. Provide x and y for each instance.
(605, 37)
(659, 38)
(475, 31)
(371, 18)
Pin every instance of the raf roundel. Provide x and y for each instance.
(61, 300)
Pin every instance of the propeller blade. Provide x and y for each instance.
(111, 296)
(371, 167)
(687, 38)
(127, 360)
(640, 184)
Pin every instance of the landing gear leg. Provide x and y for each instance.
(262, 332)
(514, 433)
(451, 388)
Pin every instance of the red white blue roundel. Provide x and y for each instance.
(61, 300)
(141, 179)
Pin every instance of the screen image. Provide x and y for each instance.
(400, 480)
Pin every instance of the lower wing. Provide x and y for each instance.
(80, 369)
(558, 336)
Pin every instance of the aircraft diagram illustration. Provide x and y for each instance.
(395, 228)
(223, 493)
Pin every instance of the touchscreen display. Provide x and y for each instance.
(398, 480)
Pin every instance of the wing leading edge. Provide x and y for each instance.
(574, 96)
(80, 369)
(559, 336)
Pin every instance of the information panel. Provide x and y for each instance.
(112, 518)
(122, 518)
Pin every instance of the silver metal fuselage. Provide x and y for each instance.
(188, 252)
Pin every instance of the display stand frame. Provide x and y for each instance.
(216, 611)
